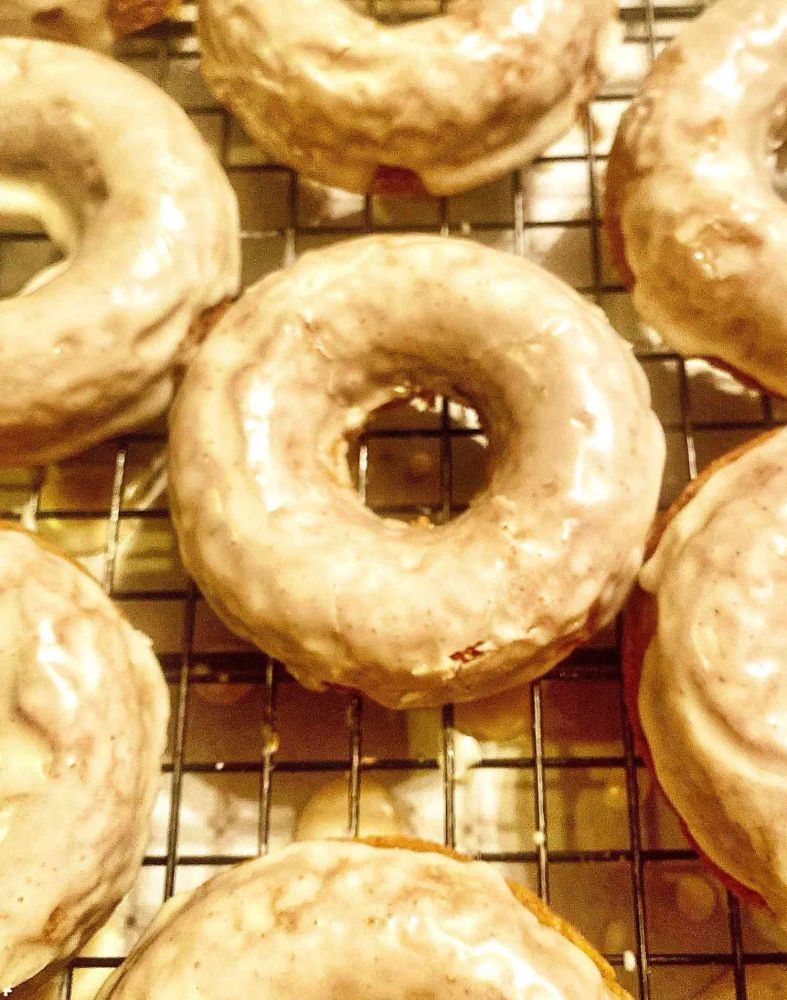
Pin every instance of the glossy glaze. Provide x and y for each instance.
(126, 185)
(342, 920)
(287, 553)
(691, 193)
(458, 99)
(713, 694)
(83, 711)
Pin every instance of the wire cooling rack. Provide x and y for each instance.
(559, 799)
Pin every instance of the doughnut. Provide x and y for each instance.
(126, 186)
(703, 652)
(693, 213)
(380, 919)
(85, 22)
(447, 102)
(288, 555)
(83, 718)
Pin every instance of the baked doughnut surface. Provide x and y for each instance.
(127, 187)
(287, 553)
(328, 919)
(457, 99)
(83, 713)
(692, 207)
(85, 22)
(704, 645)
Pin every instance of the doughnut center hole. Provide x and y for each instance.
(393, 12)
(419, 459)
(38, 236)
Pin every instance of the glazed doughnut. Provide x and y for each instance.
(125, 184)
(83, 717)
(381, 920)
(86, 22)
(288, 555)
(457, 100)
(692, 207)
(707, 671)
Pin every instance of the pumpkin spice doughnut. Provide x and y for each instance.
(83, 719)
(381, 919)
(704, 657)
(84, 22)
(285, 550)
(127, 187)
(693, 214)
(445, 103)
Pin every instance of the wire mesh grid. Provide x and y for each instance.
(667, 929)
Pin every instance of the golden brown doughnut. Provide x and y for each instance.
(383, 918)
(690, 678)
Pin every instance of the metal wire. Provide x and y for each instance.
(163, 51)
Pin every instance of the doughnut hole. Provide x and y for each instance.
(23, 259)
(420, 459)
(397, 11)
(38, 235)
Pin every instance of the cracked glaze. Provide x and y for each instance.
(458, 99)
(713, 693)
(127, 187)
(290, 557)
(693, 197)
(330, 920)
(83, 711)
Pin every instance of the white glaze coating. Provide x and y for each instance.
(83, 711)
(290, 557)
(459, 99)
(332, 920)
(125, 182)
(713, 692)
(704, 229)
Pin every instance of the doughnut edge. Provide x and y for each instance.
(524, 896)
(640, 617)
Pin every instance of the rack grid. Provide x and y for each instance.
(108, 507)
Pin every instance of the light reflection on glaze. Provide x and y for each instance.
(290, 557)
(83, 710)
(151, 232)
(713, 697)
(339, 920)
(459, 99)
(690, 191)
